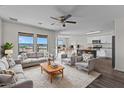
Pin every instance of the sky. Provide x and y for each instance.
(29, 40)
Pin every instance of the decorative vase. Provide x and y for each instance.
(49, 63)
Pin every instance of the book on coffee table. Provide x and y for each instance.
(54, 65)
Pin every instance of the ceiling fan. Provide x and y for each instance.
(63, 20)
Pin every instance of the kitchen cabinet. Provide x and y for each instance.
(108, 39)
(108, 53)
(104, 39)
(104, 53)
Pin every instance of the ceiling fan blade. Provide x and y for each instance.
(53, 24)
(68, 16)
(55, 18)
(73, 22)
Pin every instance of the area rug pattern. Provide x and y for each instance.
(73, 78)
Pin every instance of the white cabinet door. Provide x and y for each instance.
(109, 53)
(108, 39)
(101, 53)
(103, 39)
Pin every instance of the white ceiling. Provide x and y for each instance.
(88, 17)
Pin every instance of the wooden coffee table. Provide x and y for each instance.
(51, 71)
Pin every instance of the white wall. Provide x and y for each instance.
(119, 44)
(78, 39)
(0, 34)
(10, 34)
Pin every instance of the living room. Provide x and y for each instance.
(69, 46)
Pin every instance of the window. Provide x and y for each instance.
(42, 43)
(61, 45)
(26, 42)
(60, 42)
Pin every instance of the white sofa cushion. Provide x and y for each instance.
(39, 54)
(4, 60)
(82, 64)
(66, 59)
(28, 60)
(17, 69)
(42, 59)
(11, 62)
(20, 76)
(34, 60)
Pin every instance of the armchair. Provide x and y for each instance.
(87, 66)
(68, 60)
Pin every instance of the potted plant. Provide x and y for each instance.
(6, 46)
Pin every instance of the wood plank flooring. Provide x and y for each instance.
(110, 78)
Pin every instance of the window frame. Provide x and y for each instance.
(31, 34)
(38, 36)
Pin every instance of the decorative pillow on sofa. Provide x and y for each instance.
(2, 66)
(7, 77)
(24, 56)
(4, 60)
(86, 57)
(11, 62)
(9, 72)
(20, 57)
(32, 55)
(39, 54)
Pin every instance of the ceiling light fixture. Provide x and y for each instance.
(93, 32)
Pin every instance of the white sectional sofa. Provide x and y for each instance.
(20, 80)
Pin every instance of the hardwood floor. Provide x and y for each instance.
(110, 78)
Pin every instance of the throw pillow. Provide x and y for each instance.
(86, 57)
(7, 77)
(11, 62)
(4, 60)
(9, 72)
(2, 66)
(24, 56)
(20, 57)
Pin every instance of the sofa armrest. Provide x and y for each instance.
(23, 84)
(91, 63)
(79, 58)
(18, 61)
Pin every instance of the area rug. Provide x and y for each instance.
(73, 78)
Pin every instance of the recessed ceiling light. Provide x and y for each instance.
(13, 19)
(93, 32)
